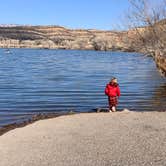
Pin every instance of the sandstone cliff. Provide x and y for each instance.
(160, 59)
(56, 37)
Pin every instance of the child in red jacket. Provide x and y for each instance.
(112, 90)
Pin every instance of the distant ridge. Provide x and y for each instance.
(28, 25)
(9, 25)
(58, 37)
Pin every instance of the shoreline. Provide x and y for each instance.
(11, 126)
(44, 116)
(73, 49)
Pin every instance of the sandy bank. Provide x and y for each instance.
(90, 139)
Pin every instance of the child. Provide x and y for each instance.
(112, 90)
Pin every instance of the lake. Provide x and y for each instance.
(42, 81)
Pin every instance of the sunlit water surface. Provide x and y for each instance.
(41, 81)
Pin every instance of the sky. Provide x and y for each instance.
(87, 14)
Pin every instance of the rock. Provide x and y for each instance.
(126, 110)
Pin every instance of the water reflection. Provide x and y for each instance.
(159, 98)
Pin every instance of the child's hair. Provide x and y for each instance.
(113, 81)
(113, 78)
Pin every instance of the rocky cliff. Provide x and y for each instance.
(56, 37)
(160, 59)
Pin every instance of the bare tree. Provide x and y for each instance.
(147, 19)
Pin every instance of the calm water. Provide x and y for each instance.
(33, 81)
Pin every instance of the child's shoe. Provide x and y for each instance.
(113, 109)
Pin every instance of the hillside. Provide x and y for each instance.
(56, 37)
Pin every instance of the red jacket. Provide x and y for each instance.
(112, 90)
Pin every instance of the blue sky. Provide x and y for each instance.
(98, 14)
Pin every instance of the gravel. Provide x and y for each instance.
(88, 139)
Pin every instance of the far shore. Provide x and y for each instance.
(94, 139)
